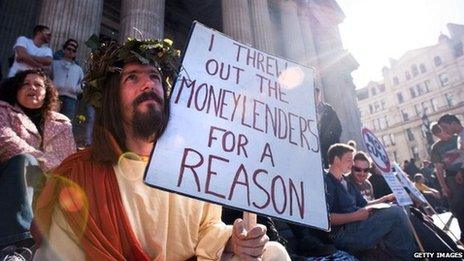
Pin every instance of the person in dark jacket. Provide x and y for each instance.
(379, 184)
(329, 126)
(412, 168)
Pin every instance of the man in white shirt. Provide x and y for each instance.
(33, 53)
(67, 77)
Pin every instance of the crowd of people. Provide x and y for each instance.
(64, 204)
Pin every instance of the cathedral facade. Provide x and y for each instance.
(305, 31)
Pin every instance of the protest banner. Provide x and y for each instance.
(408, 184)
(379, 156)
(401, 195)
(242, 132)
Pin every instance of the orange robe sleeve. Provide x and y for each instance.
(87, 194)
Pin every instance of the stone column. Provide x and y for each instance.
(236, 20)
(72, 19)
(304, 15)
(335, 67)
(16, 18)
(262, 26)
(291, 31)
(147, 16)
(340, 93)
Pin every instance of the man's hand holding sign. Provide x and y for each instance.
(243, 134)
(247, 242)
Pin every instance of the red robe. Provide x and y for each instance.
(88, 195)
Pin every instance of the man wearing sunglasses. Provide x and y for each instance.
(67, 77)
(355, 226)
(360, 172)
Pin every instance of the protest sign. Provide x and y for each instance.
(402, 197)
(376, 150)
(242, 132)
(408, 183)
(380, 158)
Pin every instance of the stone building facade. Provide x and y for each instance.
(416, 90)
(305, 31)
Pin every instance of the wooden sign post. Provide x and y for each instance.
(380, 158)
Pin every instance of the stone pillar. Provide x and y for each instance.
(291, 31)
(340, 93)
(236, 20)
(262, 26)
(304, 15)
(335, 67)
(72, 19)
(309, 35)
(147, 16)
(16, 18)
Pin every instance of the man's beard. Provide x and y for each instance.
(146, 124)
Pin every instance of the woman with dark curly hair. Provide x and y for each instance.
(33, 139)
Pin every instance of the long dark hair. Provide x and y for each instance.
(109, 138)
(10, 87)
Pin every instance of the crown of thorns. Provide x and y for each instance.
(109, 57)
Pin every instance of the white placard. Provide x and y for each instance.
(242, 132)
(408, 183)
(380, 158)
(395, 185)
(376, 150)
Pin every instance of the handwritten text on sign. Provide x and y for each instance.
(242, 132)
(406, 182)
(395, 185)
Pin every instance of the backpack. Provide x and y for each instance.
(433, 238)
